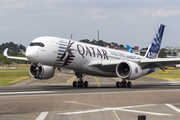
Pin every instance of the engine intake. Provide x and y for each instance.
(128, 70)
(41, 71)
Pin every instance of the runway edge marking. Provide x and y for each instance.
(42, 116)
(173, 107)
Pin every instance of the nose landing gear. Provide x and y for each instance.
(38, 71)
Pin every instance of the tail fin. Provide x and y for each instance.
(129, 49)
(154, 47)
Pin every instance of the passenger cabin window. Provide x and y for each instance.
(37, 44)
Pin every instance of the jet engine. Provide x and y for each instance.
(128, 70)
(40, 71)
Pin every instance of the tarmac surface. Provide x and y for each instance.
(56, 99)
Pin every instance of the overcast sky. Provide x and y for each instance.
(132, 22)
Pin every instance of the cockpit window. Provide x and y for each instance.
(37, 44)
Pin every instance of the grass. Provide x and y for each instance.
(172, 75)
(8, 77)
(18, 66)
(11, 76)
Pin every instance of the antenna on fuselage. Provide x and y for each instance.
(98, 35)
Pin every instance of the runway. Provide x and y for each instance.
(56, 99)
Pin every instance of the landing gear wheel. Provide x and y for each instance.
(124, 84)
(129, 84)
(118, 84)
(74, 84)
(86, 84)
(80, 83)
(121, 84)
(38, 76)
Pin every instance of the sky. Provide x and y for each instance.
(127, 22)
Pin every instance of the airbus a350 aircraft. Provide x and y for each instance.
(47, 53)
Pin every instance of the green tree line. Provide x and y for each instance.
(14, 50)
(100, 43)
(162, 53)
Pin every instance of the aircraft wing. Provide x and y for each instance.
(110, 65)
(105, 65)
(12, 57)
(158, 62)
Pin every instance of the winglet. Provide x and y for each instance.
(5, 52)
(154, 47)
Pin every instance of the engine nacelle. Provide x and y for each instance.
(177, 66)
(42, 72)
(128, 70)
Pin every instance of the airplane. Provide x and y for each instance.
(47, 53)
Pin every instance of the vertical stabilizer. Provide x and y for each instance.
(154, 47)
(129, 49)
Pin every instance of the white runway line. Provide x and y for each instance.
(125, 109)
(94, 93)
(172, 82)
(7, 93)
(173, 107)
(42, 116)
(74, 102)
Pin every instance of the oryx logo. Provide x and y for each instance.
(67, 56)
(65, 53)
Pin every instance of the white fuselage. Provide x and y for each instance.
(64, 53)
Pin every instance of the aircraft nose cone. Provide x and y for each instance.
(31, 54)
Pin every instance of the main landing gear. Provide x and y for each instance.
(80, 83)
(38, 69)
(123, 84)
